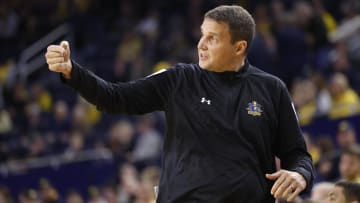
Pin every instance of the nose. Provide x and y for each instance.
(201, 44)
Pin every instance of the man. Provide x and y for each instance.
(346, 135)
(320, 191)
(226, 120)
(345, 138)
(344, 192)
(29, 196)
(349, 165)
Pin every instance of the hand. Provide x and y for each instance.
(288, 184)
(58, 58)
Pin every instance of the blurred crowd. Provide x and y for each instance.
(130, 186)
(312, 45)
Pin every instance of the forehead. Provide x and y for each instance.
(337, 192)
(218, 27)
(349, 156)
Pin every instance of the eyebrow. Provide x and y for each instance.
(213, 33)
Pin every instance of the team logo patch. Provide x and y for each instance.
(254, 109)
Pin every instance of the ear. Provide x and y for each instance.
(241, 47)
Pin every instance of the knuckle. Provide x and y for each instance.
(53, 67)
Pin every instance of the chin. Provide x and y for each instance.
(203, 65)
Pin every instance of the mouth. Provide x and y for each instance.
(203, 57)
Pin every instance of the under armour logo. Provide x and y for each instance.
(204, 100)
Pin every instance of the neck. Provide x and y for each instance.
(239, 67)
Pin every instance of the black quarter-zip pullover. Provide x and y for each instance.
(223, 129)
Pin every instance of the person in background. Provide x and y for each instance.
(349, 165)
(345, 101)
(320, 191)
(346, 135)
(344, 192)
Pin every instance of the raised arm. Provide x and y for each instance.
(136, 97)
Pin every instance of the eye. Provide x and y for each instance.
(212, 39)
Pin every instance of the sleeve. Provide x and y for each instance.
(135, 97)
(290, 145)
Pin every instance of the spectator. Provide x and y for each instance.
(5, 121)
(121, 139)
(320, 191)
(340, 63)
(349, 165)
(109, 193)
(48, 192)
(37, 146)
(348, 31)
(150, 178)
(60, 122)
(84, 116)
(74, 196)
(75, 145)
(5, 195)
(327, 18)
(129, 183)
(41, 97)
(346, 135)
(263, 50)
(148, 144)
(304, 98)
(328, 166)
(312, 147)
(323, 100)
(313, 25)
(95, 195)
(29, 196)
(36, 123)
(344, 192)
(345, 101)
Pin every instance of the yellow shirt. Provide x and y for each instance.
(345, 105)
(306, 113)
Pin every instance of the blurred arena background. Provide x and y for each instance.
(55, 147)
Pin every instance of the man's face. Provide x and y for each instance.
(336, 195)
(349, 167)
(216, 51)
(346, 138)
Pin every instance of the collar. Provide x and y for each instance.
(231, 75)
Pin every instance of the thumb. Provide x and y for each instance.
(65, 45)
(273, 176)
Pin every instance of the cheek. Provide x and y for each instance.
(354, 167)
(222, 54)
